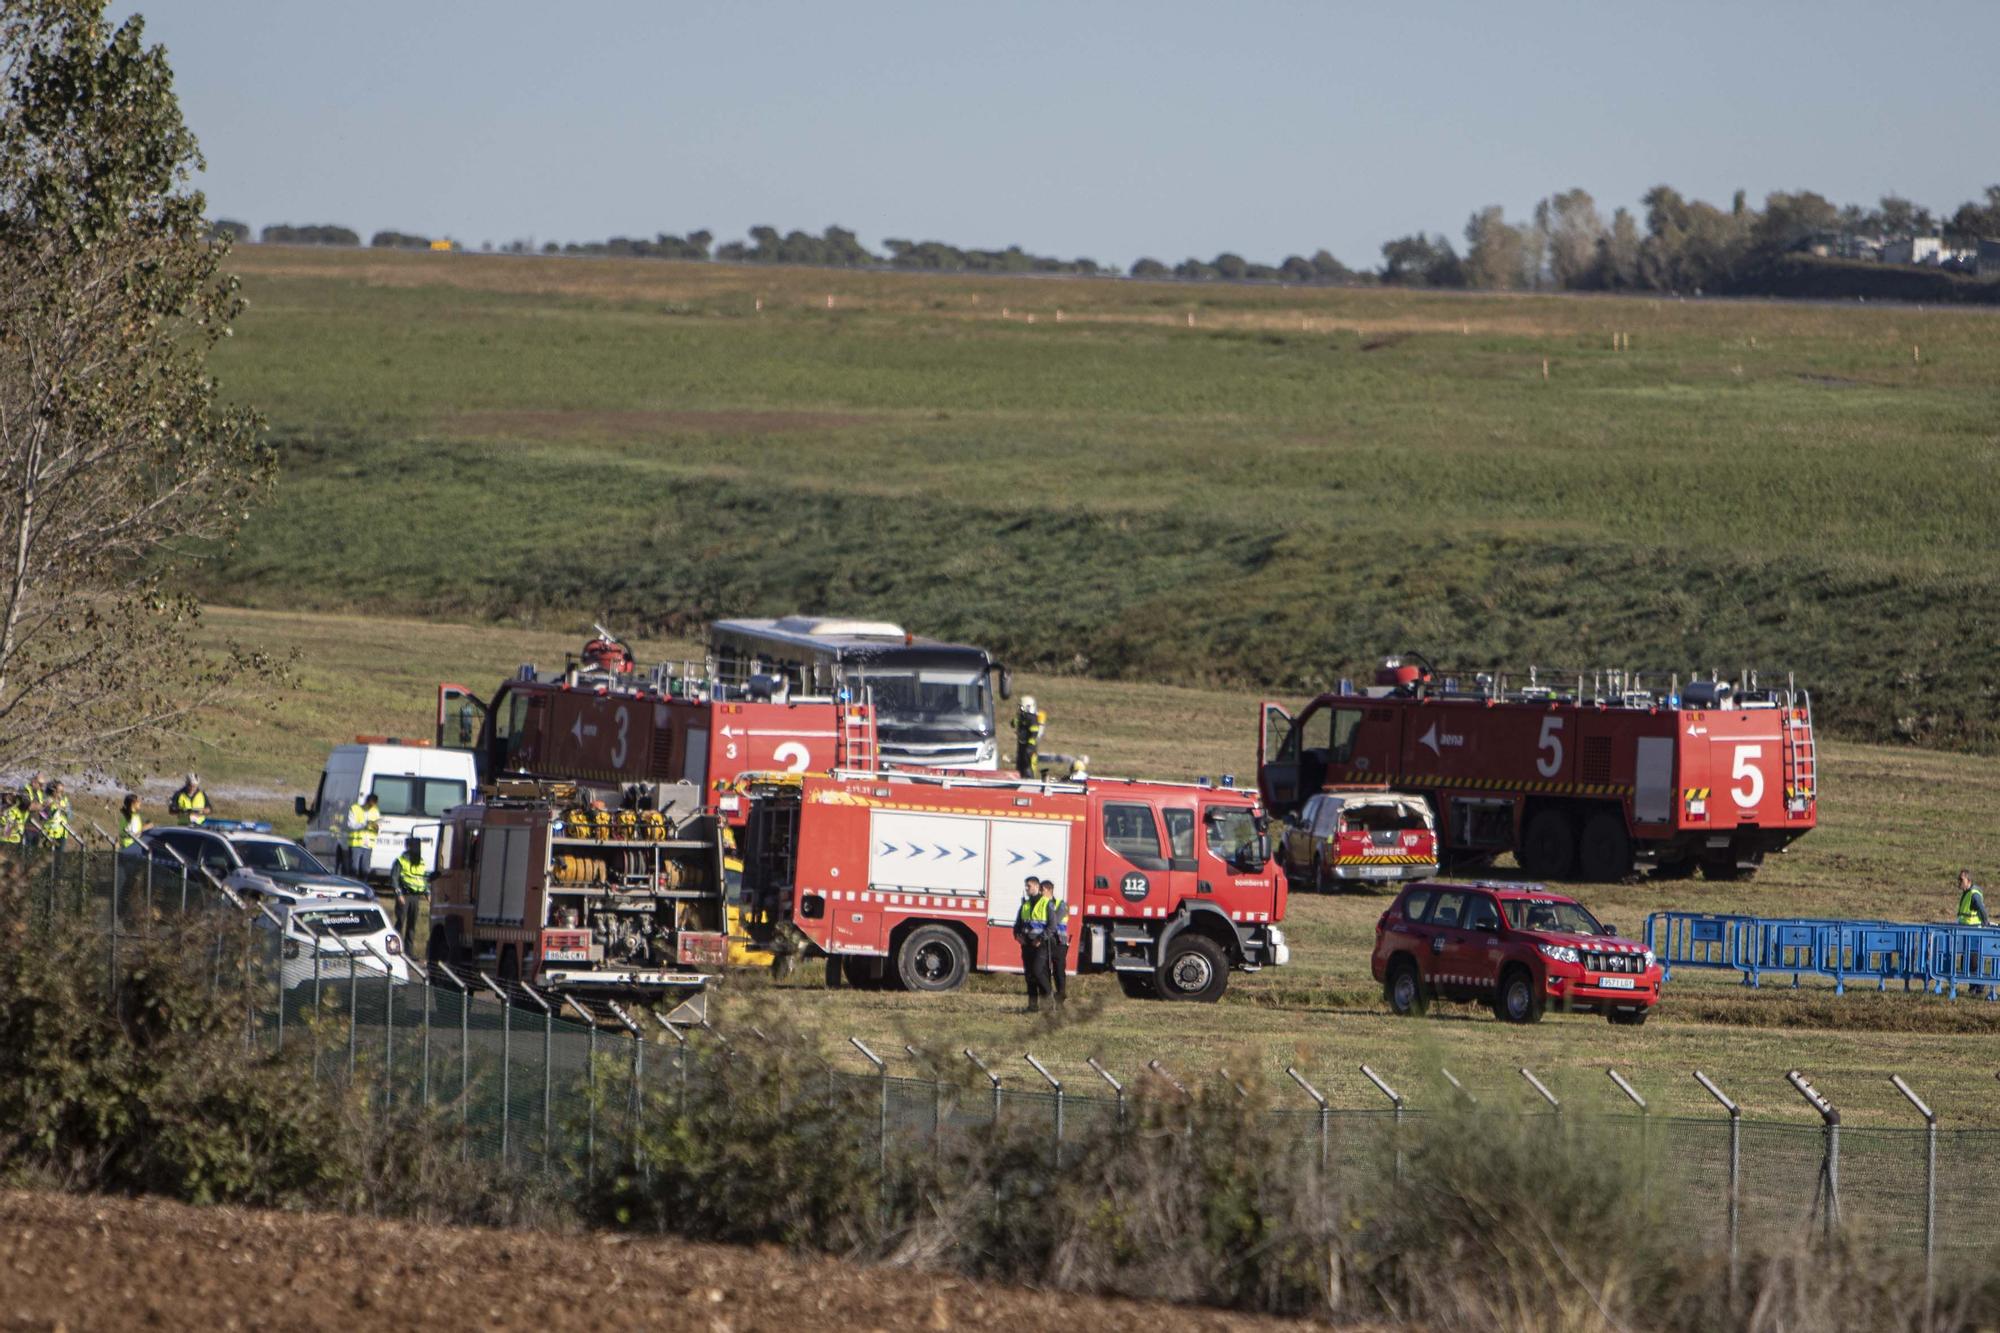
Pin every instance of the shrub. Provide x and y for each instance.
(158, 1091)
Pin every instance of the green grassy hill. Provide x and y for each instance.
(1147, 481)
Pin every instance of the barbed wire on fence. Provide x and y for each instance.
(526, 1070)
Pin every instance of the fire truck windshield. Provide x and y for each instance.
(1232, 831)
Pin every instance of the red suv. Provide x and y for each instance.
(1518, 947)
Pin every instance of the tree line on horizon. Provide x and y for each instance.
(1672, 244)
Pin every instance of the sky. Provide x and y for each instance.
(1107, 130)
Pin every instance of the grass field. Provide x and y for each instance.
(1896, 823)
(1142, 481)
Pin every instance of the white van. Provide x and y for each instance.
(414, 783)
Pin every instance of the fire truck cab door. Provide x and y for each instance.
(461, 716)
(1184, 878)
(1278, 759)
(1128, 861)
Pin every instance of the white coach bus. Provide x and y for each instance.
(933, 700)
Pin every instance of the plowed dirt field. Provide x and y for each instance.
(96, 1263)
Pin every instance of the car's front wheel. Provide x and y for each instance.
(1519, 1001)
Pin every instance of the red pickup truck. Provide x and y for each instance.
(1517, 947)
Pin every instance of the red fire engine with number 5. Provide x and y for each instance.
(916, 879)
(1580, 775)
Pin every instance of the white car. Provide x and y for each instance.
(339, 931)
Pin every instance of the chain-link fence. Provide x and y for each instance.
(545, 1082)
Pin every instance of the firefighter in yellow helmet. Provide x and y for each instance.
(1028, 723)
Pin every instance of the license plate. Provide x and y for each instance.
(1617, 983)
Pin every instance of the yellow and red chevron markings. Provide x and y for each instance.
(1489, 784)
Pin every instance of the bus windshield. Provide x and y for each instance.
(942, 696)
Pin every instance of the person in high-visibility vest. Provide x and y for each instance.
(1971, 902)
(1031, 931)
(190, 803)
(413, 884)
(1057, 950)
(130, 849)
(1028, 723)
(55, 825)
(37, 793)
(14, 821)
(130, 825)
(363, 822)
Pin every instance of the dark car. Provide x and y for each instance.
(254, 865)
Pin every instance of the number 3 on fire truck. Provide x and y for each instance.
(1551, 746)
(1746, 768)
(618, 750)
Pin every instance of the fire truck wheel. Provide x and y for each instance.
(439, 949)
(1548, 848)
(1628, 1018)
(1405, 989)
(863, 973)
(1604, 855)
(1138, 985)
(933, 958)
(1195, 969)
(1518, 1001)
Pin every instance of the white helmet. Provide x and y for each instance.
(1027, 703)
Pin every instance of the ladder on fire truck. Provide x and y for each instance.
(856, 748)
(1798, 749)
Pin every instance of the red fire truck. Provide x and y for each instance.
(915, 879)
(1581, 776)
(602, 723)
(538, 884)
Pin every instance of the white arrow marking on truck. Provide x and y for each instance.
(1430, 738)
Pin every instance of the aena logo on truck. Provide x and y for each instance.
(1434, 738)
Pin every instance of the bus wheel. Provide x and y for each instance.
(1195, 969)
(933, 958)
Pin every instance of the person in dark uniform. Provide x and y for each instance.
(1057, 949)
(1031, 931)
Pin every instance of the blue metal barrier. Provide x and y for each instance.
(1939, 956)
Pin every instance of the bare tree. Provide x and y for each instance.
(118, 463)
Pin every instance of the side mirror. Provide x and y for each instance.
(1606, 928)
(299, 807)
(1006, 683)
